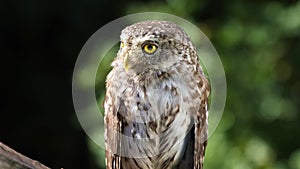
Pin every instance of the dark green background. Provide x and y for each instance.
(258, 43)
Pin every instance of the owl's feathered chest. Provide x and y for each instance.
(157, 105)
(157, 115)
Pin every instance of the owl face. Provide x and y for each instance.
(150, 46)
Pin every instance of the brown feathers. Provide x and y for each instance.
(156, 111)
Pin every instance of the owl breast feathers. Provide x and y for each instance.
(156, 101)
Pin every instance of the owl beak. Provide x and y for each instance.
(126, 63)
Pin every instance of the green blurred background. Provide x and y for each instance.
(258, 43)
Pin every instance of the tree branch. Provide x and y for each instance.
(10, 159)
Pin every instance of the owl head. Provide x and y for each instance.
(153, 45)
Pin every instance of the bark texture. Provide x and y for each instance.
(10, 159)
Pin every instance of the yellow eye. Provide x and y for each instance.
(149, 48)
(122, 44)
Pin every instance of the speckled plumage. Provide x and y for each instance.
(156, 104)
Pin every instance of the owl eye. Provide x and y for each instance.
(149, 48)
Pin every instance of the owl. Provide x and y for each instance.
(156, 103)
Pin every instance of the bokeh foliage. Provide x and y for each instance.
(257, 41)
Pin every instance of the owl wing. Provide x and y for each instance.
(201, 125)
(113, 128)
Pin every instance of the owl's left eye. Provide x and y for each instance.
(149, 48)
